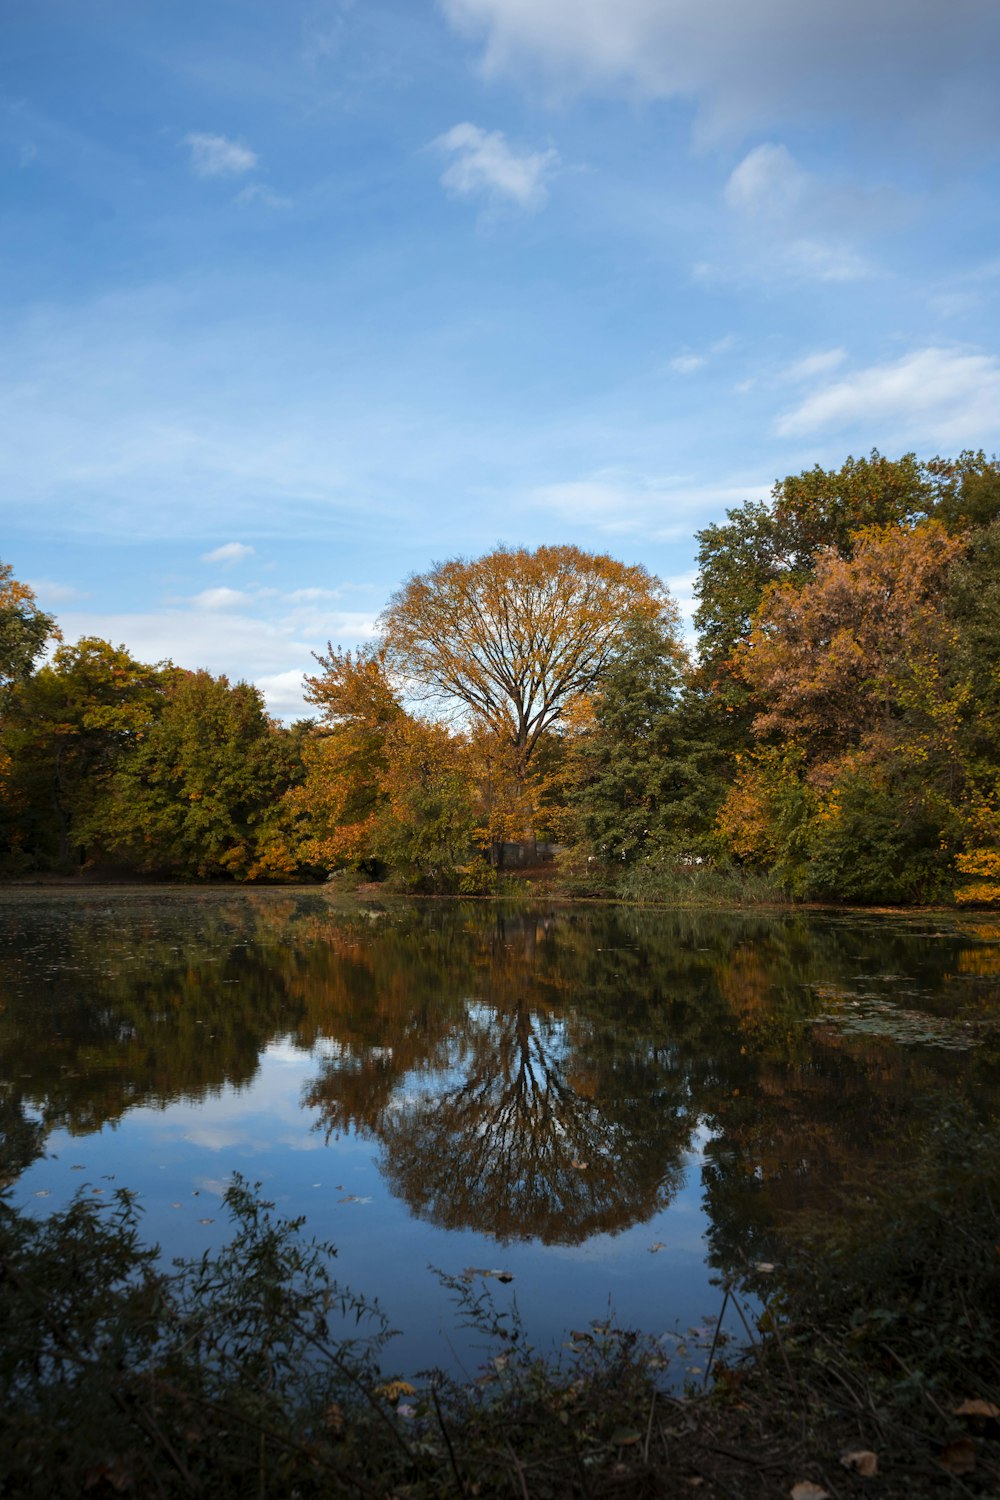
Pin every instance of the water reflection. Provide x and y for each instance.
(533, 1075)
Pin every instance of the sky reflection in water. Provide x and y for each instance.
(553, 1092)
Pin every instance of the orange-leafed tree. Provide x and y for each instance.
(860, 649)
(514, 637)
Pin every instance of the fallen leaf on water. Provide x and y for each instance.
(175, 1205)
(974, 1407)
(42, 1193)
(78, 1167)
(353, 1198)
(97, 1192)
(806, 1490)
(958, 1457)
(206, 1221)
(657, 1245)
(860, 1461)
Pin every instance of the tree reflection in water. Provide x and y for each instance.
(529, 1074)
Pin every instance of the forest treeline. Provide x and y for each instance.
(835, 735)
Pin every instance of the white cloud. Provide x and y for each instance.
(218, 156)
(767, 180)
(617, 501)
(229, 552)
(257, 192)
(820, 363)
(283, 693)
(221, 598)
(46, 591)
(788, 221)
(485, 165)
(745, 66)
(930, 396)
(686, 364)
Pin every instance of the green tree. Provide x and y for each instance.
(194, 793)
(24, 629)
(66, 731)
(638, 778)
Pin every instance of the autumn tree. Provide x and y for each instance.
(858, 647)
(330, 819)
(24, 629)
(854, 790)
(514, 637)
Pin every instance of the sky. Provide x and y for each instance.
(300, 298)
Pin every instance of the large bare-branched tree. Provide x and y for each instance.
(515, 636)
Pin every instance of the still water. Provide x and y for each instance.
(611, 1106)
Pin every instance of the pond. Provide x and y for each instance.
(611, 1106)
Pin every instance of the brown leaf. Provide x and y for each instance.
(958, 1457)
(974, 1407)
(860, 1461)
(806, 1490)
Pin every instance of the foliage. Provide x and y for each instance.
(193, 794)
(121, 1377)
(835, 735)
(636, 781)
(67, 730)
(24, 629)
(515, 636)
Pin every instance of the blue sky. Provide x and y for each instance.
(300, 298)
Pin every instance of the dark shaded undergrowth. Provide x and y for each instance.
(252, 1372)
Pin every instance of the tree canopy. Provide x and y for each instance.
(515, 636)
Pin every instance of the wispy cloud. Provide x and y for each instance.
(768, 180)
(47, 591)
(820, 363)
(220, 598)
(626, 503)
(218, 156)
(934, 395)
(485, 166)
(687, 364)
(258, 192)
(229, 552)
(791, 221)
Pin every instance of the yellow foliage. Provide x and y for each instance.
(983, 865)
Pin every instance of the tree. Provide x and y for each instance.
(857, 647)
(66, 731)
(761, 544)
(516, 636)
(192, 796)
(855, 788)
(637, 774)
(24, 629)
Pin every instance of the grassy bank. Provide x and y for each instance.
(237, 1374)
